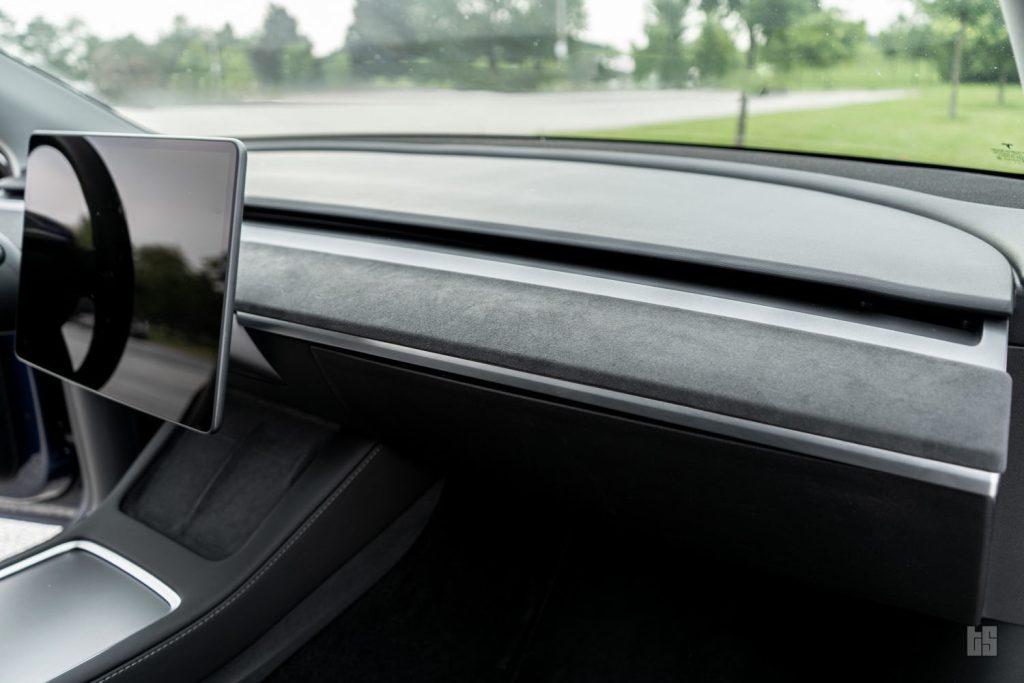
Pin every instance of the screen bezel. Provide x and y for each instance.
(234, 223)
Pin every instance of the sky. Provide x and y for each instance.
(617, 22)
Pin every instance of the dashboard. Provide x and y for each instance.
(775, 359)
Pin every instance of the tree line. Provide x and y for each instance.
(966, 40)
(520, 45)
(782, 33)
(507, 44)
(185, 59)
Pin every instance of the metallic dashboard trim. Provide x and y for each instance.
(959, 477)
(110, 557)
(989, 351)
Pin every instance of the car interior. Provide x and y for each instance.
(512, 408)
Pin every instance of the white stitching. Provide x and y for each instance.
(256, 577)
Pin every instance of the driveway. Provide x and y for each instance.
(448, 111)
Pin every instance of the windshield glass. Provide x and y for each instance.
(930, 81)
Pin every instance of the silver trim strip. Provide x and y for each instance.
(948, 475)
(109, 556)
(990, 351)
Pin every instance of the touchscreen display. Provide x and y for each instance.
(127, 268)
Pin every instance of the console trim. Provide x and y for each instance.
(110, 557)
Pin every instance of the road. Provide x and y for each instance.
(448, 111)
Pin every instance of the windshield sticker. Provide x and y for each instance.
(1006, 152)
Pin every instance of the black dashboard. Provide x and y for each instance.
(807, 369)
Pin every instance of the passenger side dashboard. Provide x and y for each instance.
(820, 427)
(820, 411)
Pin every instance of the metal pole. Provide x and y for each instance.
(561, 30)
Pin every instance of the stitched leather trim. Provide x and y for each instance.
(242, 590)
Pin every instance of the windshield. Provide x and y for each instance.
(930, 81)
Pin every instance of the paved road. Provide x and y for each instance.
(445, 111)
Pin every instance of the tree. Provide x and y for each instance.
(61, 49)
(907, 38)
(125, 66)
(238, 76)
(336, 68)
(516, 33)
(280, 53)
(169, 48)
(663, 57)
(298, 66)
(546, 23)
(762, 22)
(194, 71)
(989, 48)
(211, 63)
(493, 30)
(821, 39)
(452, 40)
(963, 13)
(383, 38)
(714, 52)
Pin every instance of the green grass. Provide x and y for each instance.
(915, 129)
(868, 70)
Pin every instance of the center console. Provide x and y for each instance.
(206, 543)
(70, 602)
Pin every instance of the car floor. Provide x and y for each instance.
(505, 586)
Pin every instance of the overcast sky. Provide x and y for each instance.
(618, 22)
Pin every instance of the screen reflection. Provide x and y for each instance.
(125, 264)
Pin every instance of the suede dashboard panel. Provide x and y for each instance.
(863, 393)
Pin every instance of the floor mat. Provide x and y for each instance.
(516, 589)
(458, 607)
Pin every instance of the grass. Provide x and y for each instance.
(915, 129)
(869, 69)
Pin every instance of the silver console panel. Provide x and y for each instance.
(68, 604)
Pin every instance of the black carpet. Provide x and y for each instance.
(506, 587)
(458, 607)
